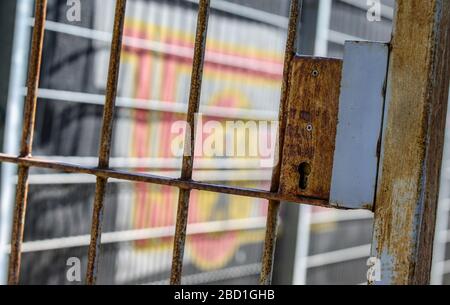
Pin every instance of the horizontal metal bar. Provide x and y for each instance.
(166, 163)
(248, 12)
(169, 49)
(446, 267)
(204, 175)
(338, 256)
(443, 237)
(155, 105)
(445, 205)
(442, 267)
(339, 216)
(146, 178)
(216, 275)
(183, 52)
(340, 38)
(144, 234)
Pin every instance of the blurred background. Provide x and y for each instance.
(242, 80)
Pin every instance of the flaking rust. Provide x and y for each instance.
(417, 92)
(309, 141)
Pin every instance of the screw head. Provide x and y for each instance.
(315, 73)
(309, 127)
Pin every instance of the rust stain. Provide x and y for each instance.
(311, 127)
(408, 183)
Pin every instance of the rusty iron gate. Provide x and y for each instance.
(409, 151)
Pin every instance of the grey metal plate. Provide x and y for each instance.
(360, 118)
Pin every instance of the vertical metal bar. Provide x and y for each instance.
(302, 246)
(413, 138)
(27, 140)
(186, 171)
(323, 28)
(105, 141)
(274, 206)
(13, 121)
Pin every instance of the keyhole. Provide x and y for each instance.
(304, 169)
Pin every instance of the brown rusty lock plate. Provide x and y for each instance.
(334, 127)
(309, 142)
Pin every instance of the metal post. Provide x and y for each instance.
(411, 152)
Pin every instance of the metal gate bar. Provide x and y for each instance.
(155, 179)
(105, 141)
(274, 205)
(408, 187)
(103, 171)
(188, 157)
(26, 143)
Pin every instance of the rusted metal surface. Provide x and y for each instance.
(417, 90)
(310, 135)
(160, 180)
(274, 205)
(27, 140)
(410, 153)
(188, 158)
(105, 141)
